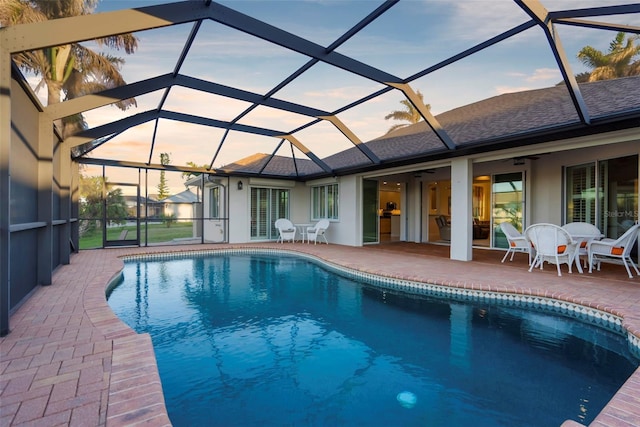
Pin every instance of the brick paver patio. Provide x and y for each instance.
(69, 361)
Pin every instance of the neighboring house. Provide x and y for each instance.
(181, 206)
(147, 206)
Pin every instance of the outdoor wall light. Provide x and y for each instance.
(239, 185)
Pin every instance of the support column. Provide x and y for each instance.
(74, 207)
(461, 209)
(5, 151)
(63, 174)
(45, 199)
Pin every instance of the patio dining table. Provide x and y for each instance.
(302, 230)
(582, 241)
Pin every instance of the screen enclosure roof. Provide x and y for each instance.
(303, 89)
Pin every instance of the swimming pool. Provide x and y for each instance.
(247, 339)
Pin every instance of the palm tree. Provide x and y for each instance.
(617, 62)
(69, 70)
(409, 114)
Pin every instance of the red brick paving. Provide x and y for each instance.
(69, 361)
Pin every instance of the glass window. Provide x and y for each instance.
(214, 202)
(324, 202)
(604, 193)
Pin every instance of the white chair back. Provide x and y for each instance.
(617, 251)
(548, 239)
(284, 224)
(322, 224)
(516, 241)
(318, 231)
(627, 240)
(286, 230)
(552, 244)
(509, 230)
(582, 229)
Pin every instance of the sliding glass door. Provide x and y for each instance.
(267, 205)
(508, 204)
(370, 215)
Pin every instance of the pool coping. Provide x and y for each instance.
(130, 387)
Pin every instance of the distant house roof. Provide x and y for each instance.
(140, 199)
(185, 196)
(512, 119)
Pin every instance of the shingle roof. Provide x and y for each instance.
(272, 166)
(185, 196)
(512, 115)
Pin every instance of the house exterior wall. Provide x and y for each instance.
(544, 190)
(239, 224)
(300, 209)
(345, 230)
(348, 230)
(544, 185)
(239, 212)
(181, 211)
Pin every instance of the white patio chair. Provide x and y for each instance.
(286, 230)
(317, 231)
(552, 244)
(583, 233)
(617, 251)
(517, 241)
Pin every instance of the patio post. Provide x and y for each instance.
(5, 151)
(461, 204)
(45, 175)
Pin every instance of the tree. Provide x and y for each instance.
(187, 175)
(91, 202)
(71, 70)
(580, 78)
(617, 62)
(163, 187)
(410, 114)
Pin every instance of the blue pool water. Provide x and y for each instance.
(250, 339)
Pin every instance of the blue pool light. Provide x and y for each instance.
(407, 399)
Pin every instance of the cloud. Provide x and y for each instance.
(541, 77)
(481, 19)
(501, 90)
(545, 75)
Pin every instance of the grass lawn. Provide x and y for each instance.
(157, 233)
